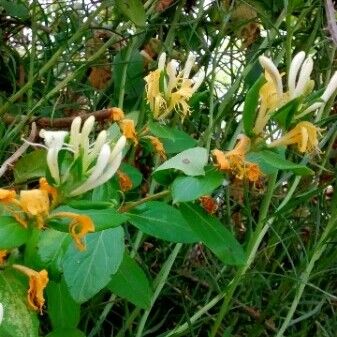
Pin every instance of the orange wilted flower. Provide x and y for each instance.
(7, 196)
(158, 146)
(79, 226)
(37, 283)
(304, 135)
(128, 129)
(124, 180)
(51, 191)
(234, 161)
(116, 114)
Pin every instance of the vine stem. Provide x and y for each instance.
(159, 284)
(253, 245)
(304, 278)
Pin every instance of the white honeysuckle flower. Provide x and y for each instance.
(327, 94)
(1, 313)
(162, 61)
(54, 141)
(304, 78)
(198, 79)
(188, 65)
(295, 66)
(330, 88)
(100, 141)
(273, 72)
(106, 166)
(74, 141)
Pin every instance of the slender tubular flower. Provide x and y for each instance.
(37, 283)
(54, 141)
(234, 161)
(158, 146)
(168, 89)
(304, 135)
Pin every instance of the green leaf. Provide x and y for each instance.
(191, 188)
(270, 162)
(12, 234)
(87, 272)
(63, 311)
(161, 131)
(191, 162)
(18, 319)
(179, 141)
(133, 10)
(102, 218)
(250, 107)
(162, 221)
(131, 283)
(15, 9)
(52, 247)
(285, 114)
(31, 166)
(214, 235)
(66, 333)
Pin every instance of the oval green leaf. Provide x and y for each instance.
(162, 221)
(214, 235)
(88, 272)
(12, 234)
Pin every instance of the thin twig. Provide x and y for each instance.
(57, 123)
(19, 152)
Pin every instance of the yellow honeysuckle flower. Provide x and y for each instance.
(304, 135)
(234, 161)
(37, 283)
(35, 203)
(168, 90)
(7, 196)
(128, 129)
(79, 226)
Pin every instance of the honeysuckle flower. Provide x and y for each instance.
(168, 89)
(272, 93)
(304, 135)
(116, 114)
(35, 203)
(37, 283)
(107, 164)
(54, 141)
(234, 161)
(99, 161)
(327, 94)
(128, 129)
(79, 226)
(7, 196)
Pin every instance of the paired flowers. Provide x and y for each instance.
(168, 89)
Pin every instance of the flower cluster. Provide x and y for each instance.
(168, 89)
(272, 97)
(99, 161)
(235, 163)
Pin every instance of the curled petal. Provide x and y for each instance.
(295, 66)
(272, 70)
(37, 283)
(79, 227)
